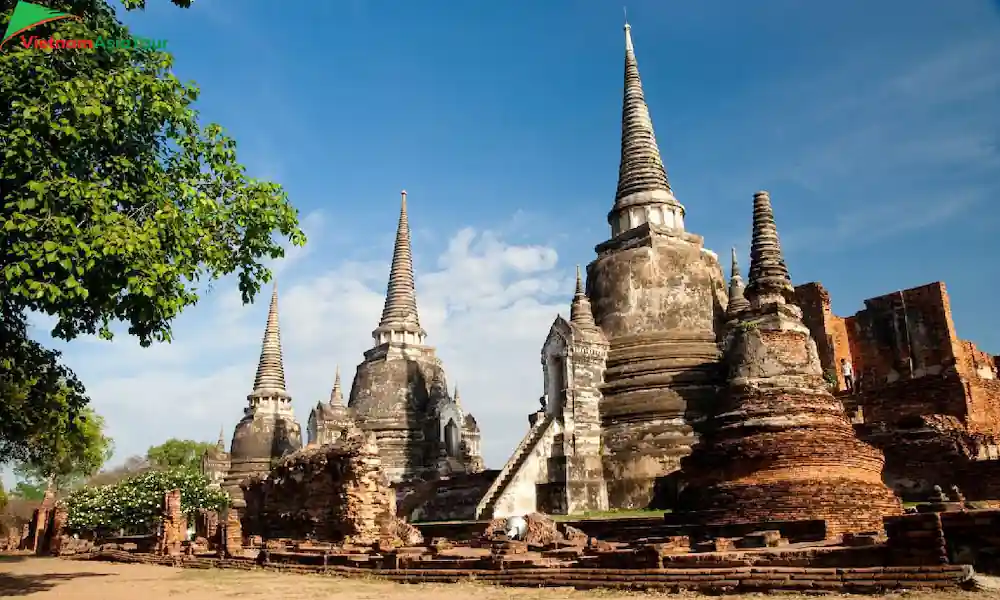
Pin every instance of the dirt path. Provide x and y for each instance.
(71, 580)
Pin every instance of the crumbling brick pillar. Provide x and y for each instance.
(173, 529)
(40, 523)
(232, 535)
(57, 529)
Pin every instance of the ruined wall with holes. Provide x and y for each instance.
(334, 492)
(924, 397)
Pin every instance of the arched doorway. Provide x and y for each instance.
(452, 439)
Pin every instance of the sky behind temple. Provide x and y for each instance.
(874, 125)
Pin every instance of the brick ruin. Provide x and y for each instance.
(173, 526)
(632, 379)
(929, 400)
(778, 445)
(921, 551)
(661, 388)
(332, 493)
(399, 394)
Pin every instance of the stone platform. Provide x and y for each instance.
(525, 573)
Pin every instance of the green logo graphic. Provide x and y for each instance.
(27, 15)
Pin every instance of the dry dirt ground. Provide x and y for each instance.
(43, 578)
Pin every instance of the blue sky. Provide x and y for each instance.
(874, 125)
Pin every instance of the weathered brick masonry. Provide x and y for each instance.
(778, 445)
(332, 493)
(929, 400)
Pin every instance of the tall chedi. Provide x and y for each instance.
(778, 446)
(659, 296)
(400, 386)
(268, 429)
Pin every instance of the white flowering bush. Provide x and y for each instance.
(136, 503)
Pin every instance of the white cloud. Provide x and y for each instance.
(486, 305)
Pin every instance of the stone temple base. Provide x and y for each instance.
(733, 503)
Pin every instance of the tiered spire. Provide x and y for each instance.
(769, 279)
(400, 311)
(221, 444)
(642, 178)
(455, 397)
(737, 301)
(580, 313)
(337, 394)
(270, 379)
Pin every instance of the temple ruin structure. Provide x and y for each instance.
(928, 399)
(777, 445)
(400, 391)
(666, 387)
(659, 296)
(215, 462)
(268, 429)
(557, 468)
(330, 421)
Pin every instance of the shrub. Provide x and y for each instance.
(136, 503)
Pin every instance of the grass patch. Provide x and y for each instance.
(611, 514)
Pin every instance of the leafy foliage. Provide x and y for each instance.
(37, 393)
(830, 377)
(115, 205)
(75, 451)
(175, 453)
(136, 503)
(29, 491)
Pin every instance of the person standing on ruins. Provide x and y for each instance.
(848, 372)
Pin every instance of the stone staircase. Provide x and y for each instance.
(485, 508)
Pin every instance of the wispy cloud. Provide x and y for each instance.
(875, 222)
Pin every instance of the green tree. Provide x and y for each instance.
(116, 204)
(77, 450)
(178, 454)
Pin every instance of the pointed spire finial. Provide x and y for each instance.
(270, 379)
(769, 280)
(628, 33)
(221, 444)
(642, 178)
(580, 313)
(400, 311)
(737, 301)
(455, 396)
(337, 394)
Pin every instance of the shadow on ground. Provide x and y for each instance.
(23, 585)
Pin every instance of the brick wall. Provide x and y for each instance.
(916, 540)
(828, 330)
(904, 348)
(897, 335)
(328, 493)
(901, 401)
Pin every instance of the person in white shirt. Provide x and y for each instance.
(848, 372)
